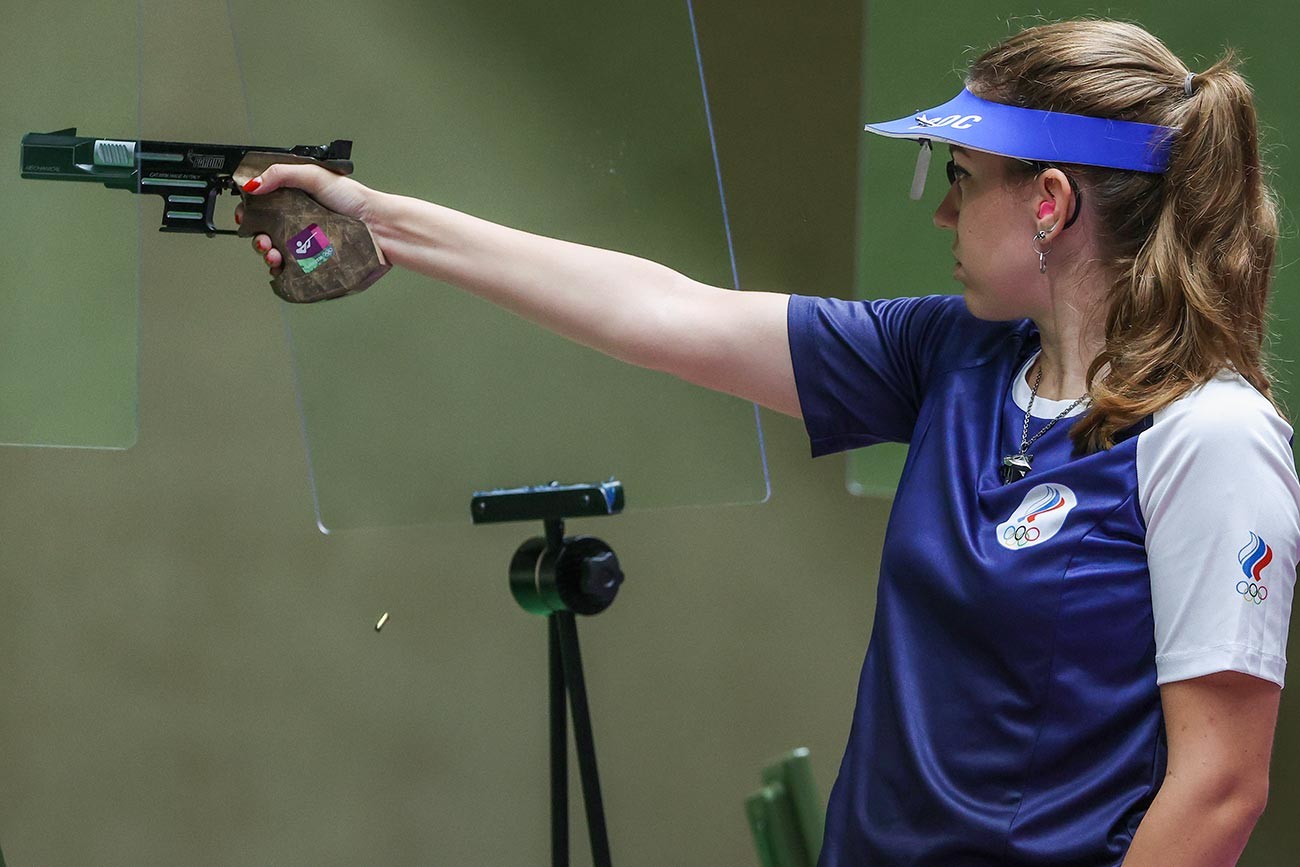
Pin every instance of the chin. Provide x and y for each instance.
(980, 308)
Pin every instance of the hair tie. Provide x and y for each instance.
(1187, 83)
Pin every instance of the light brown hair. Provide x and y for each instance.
(1191, 251)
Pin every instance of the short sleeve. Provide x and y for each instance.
(1218, 491)
(861, 367)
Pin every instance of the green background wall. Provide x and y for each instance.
(189, 670)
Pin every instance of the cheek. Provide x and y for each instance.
(985, 233)
(977, 238)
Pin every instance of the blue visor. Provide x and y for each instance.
(1040, 136)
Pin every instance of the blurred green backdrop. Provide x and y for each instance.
(190, 671)
(69, 315)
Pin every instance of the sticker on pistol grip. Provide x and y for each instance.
(311, 248)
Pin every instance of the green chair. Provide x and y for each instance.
(786, 816)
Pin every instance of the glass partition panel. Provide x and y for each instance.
(574, 120)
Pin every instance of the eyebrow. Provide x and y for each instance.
(958, 149)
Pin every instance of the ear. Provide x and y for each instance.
(1053, 201)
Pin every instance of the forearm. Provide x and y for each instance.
(627, 307)
(1195, 826)
(613, 302)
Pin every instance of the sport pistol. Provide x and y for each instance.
(326, 254)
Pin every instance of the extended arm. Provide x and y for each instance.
(1220, 732)
(627, 307)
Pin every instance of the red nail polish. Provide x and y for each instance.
(251, 186)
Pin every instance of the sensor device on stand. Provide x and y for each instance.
(558, 577)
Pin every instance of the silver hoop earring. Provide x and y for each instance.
(1039, 236)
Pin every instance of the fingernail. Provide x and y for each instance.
(251, 186)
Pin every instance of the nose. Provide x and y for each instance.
(945, 216)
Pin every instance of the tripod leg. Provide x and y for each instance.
(582, 737)
(559, 751)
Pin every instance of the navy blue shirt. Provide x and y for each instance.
(1008, 711)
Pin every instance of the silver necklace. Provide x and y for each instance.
(1016, 467)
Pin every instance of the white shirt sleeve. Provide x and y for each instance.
(1218, 491)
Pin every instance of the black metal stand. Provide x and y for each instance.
(558, 578)
(566, 675)
(566, 678)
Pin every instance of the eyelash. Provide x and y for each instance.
(955, 172)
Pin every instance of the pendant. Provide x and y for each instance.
(1015, 467)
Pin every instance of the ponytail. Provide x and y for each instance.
(1190, 252)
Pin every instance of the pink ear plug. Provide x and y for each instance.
(1046, 208)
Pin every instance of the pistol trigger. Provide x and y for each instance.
(210, 211)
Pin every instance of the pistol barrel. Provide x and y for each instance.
(65, 156)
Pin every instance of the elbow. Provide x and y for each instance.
(666, 331)
(1237, 801)
(1242, 812)
(1252, 801)
(1246, 796)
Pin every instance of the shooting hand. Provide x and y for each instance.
(336, 192)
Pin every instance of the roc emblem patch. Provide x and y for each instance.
(1038, 518)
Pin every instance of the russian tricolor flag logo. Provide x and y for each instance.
(1253, 557)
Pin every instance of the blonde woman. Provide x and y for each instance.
(1086, 582)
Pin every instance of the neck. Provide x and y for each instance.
(1071, 340)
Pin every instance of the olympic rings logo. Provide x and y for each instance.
(1037, 519)
(1021, 535)
(1252, 592)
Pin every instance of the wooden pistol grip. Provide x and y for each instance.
(326, 254)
